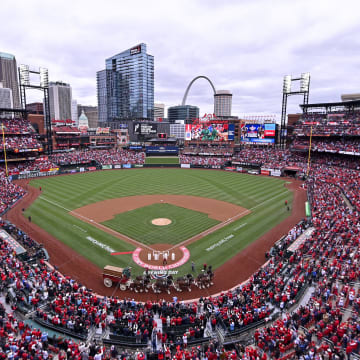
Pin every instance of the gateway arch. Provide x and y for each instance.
(192, 81)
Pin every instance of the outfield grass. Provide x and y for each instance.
(137, 224)
(162, 160)
(264, 196)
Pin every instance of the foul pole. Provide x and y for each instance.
(3, 138)
(309, 156)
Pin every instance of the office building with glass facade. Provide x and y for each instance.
(183, 112)
(9, 77)
(125, 89)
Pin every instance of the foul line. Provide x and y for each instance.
(224, 223)
(141, 245)
(101, 226)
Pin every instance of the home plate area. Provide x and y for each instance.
(168, 257)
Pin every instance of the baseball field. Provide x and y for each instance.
(104, 216)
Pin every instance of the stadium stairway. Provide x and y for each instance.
(155, 330)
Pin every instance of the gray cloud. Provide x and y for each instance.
(243, 46)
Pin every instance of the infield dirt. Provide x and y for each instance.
(233, 272)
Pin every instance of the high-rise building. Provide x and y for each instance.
(159, 111)
(222, 103)
(91, 113)
(60, 100)
(125, 89)
(74, 112)
(9, 77)
(6, 100)
(183, 112)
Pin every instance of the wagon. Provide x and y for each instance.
(114, 275)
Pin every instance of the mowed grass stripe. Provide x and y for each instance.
(262, 194)
(137, 224)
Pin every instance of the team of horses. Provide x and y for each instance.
(143, 283)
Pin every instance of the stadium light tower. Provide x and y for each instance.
(42, 85)
(287, 91)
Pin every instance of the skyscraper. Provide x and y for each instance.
(159, 111)
(74, 112)
(9, 77)
(125, 89)
(60, 100)
(6, 100)
(222, 103)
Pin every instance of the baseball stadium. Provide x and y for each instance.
(232, 235)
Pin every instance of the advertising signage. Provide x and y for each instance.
(210, 131)
(145, 129)
(135, 50)
(270, 130)
(258, 133)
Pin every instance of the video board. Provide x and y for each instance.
(145, 128)
(220, 131)
(258, 133)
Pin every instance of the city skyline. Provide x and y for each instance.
(244, 47)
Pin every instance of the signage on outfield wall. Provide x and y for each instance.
(276, 173)
(185, 166)
(126, 166)
(117, 166)
(106, 167)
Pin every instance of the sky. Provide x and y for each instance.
(245, 46)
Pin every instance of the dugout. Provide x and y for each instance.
(20, 252)
(292, 171)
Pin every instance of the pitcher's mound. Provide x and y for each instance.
(161, 221)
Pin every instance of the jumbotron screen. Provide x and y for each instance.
(210, 132)
(258, 133)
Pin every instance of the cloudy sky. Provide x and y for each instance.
(245, 46)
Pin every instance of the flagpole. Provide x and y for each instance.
(3, 135)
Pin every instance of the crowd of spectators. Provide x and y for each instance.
(328, 125)
(207, 151)
(333, 145)
(20, 142)
(103, 157)
(269, 157)
(326, 265)
(9, 191)
(16, 126)
(19, 135)
(204, 160)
